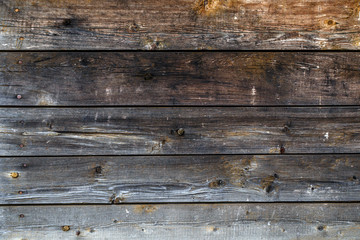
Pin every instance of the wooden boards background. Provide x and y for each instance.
(150, 130)
(206, 178)
(179, 24)
(179, 78)
(118, 120)
(168, 221)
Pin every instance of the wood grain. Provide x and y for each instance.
(154, 131)
(205, 221)
(209, 178)
(190, 78)
(179, 24)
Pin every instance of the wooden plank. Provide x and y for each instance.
(134, 131)
(190, 78)
(54, 180)
(192, 221)
(179, 24)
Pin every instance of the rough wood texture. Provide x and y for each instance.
(179, 179)
(210, 78)
(205, 221)
(133, 131)
(179, 24)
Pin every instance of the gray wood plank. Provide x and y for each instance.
(194, 221)
(209, 178)
(153, 131)
(168, 78)
(179, 24)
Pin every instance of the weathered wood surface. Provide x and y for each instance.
(190, 78)
(179, 24)
(56, 180)
(201, 221)
(154, 130)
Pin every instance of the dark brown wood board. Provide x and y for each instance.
(154, 130)
(179, 24)
(163, 179)
(168, 221)
(179, 78)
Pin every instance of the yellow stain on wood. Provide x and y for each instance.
(237, 171)
(211, 7)
(267, 182)
(145, 209)
(211, 228)
(274, 150)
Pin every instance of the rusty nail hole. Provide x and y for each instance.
(19, 62)
(21, 216)
(98, 169)
(286, 128)
(215, 229)
(16, 10)
(21, 38)
(21, 145)
(18, 96)
(65, 228)
(282, 150)
(148, 76)
(180, 132)
(14, 175)
(312, 189)
(115, 221)
(330, 22)
(143, 230)
(354, 177)
(276, 176)
(78, 233)
(20, 192)
(320, 228)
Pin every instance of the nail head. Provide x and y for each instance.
(14, 175)
(18, 96)
(180, 131)
(65, 228)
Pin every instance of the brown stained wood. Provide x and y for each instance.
(116, 180)
(208, 78)
(153, 131)
(168, 221)
(179, 24)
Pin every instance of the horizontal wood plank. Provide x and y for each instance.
(182, 130)
(179, 24)
(192, 221)
(190, 78)
(115, 180)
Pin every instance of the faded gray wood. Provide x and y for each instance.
(179, 24)
(201, 221)
(51, 180)
(134, 131)
(190, 78)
